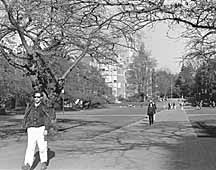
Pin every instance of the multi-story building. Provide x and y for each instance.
(114, 77)
(114, 74)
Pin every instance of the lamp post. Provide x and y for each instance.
(171, 90)
(63, 100)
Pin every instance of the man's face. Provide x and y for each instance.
(37, 97)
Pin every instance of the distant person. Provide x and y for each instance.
(169, 105)
(151, 111)
(201, 104)
(174, 105)
(37, 121)
(182, 105)
(213, 104)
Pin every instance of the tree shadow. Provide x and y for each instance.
(204, 130)
(168, 142)
(67, 124)
(12, 127)
(50, 155)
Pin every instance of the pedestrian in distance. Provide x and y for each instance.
(151, 111)
(201, 104)
(38, 119)
(174, 105)
(213, 104)
(169, 105)
(181, 105)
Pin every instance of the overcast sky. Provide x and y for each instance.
(167, 51)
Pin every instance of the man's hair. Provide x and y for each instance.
(35, 92)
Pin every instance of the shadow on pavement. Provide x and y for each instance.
(51, 154)
(67, 124)
(10, 127)
(163, 146)
(202, 129)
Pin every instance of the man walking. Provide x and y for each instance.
(37, 121)
(151, 111)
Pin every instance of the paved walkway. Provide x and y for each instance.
(170, 144)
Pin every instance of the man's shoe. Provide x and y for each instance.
(26, 167)
(43, 166)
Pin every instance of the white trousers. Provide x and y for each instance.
(36, 136)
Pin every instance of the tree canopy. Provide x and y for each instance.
(184, 83)
(36, 33)
(140, 70)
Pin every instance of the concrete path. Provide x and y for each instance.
(170, 144)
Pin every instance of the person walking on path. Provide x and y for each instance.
(37, 121)
(151, 111)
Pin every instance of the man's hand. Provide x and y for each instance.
(53, 121)
(45, 135)
(45, 132)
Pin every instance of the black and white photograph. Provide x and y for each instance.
(107, 84)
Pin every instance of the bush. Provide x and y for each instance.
(2, 111)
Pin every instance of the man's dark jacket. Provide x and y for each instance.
(151, 108)
(38, 116)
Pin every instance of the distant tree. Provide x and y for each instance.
(140, 71)
(86, 83)
(13, 86)
(164, 81)
(205, 82)
(185, 81)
